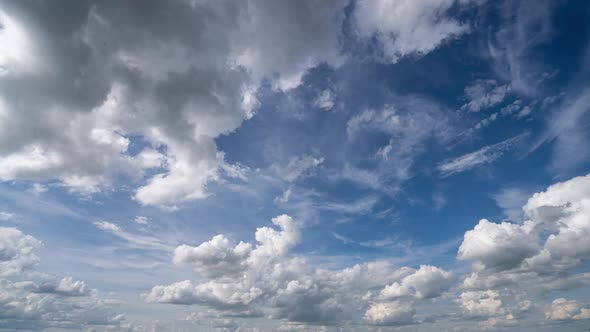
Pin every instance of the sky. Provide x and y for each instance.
(274, 165)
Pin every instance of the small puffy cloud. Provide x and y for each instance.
(16, 251)
(141, 220)
(65, 287)
(216, 257)
(6, 216)
(390, 314)
(427, 282)
(481, 303)
(498, 246)
(563, 309)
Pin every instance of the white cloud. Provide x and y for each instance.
(133, 240)
(564, 210)
(485, 155)
(426, 282)
(325, 100)
(63, 304)
(498, 246)
(284, 198)
(65, 287)
(523, 26)
(410, 123)
(178, 94)
(215, 258)
(6, 216)
(24, 308)
(307, 33)
(545, 249)
(394, 313)
(483, 94)
(407, 27)
(567, 132)
(511, 201)
(563, 309)
(16, 251)
(142, 220)
(265, 278)
(297, 167)
(481, 303)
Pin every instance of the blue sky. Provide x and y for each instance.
(345, 165)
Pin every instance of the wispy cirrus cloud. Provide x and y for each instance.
(485, 155)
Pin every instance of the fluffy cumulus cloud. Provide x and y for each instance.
(498, 246)
(426, 282)
(388, 314)
(215, 258)
(551, 239)
(544, 249)
(250, 280)
(66, 286)
(481, 303)
(16, 251)
(563, 309)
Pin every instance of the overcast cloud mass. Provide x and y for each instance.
(276, 165)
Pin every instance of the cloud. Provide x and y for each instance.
(297, 167)
(563, 309)
(390, 314)
(483, 94)
(113, 81)
(410, 123)
(481, 303)
(133, 240)
(511, 200)
(6, 216)
(16, 251)
(544, 249)
(485, 155)
(26, 306)
(566, 131)
(427, 282)
(498, 246)
(63, 304)
(266, 279)
(405, 28)
(215, 258)
(65, 287)
(325, 100)
(524, 26)
(141, 220)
